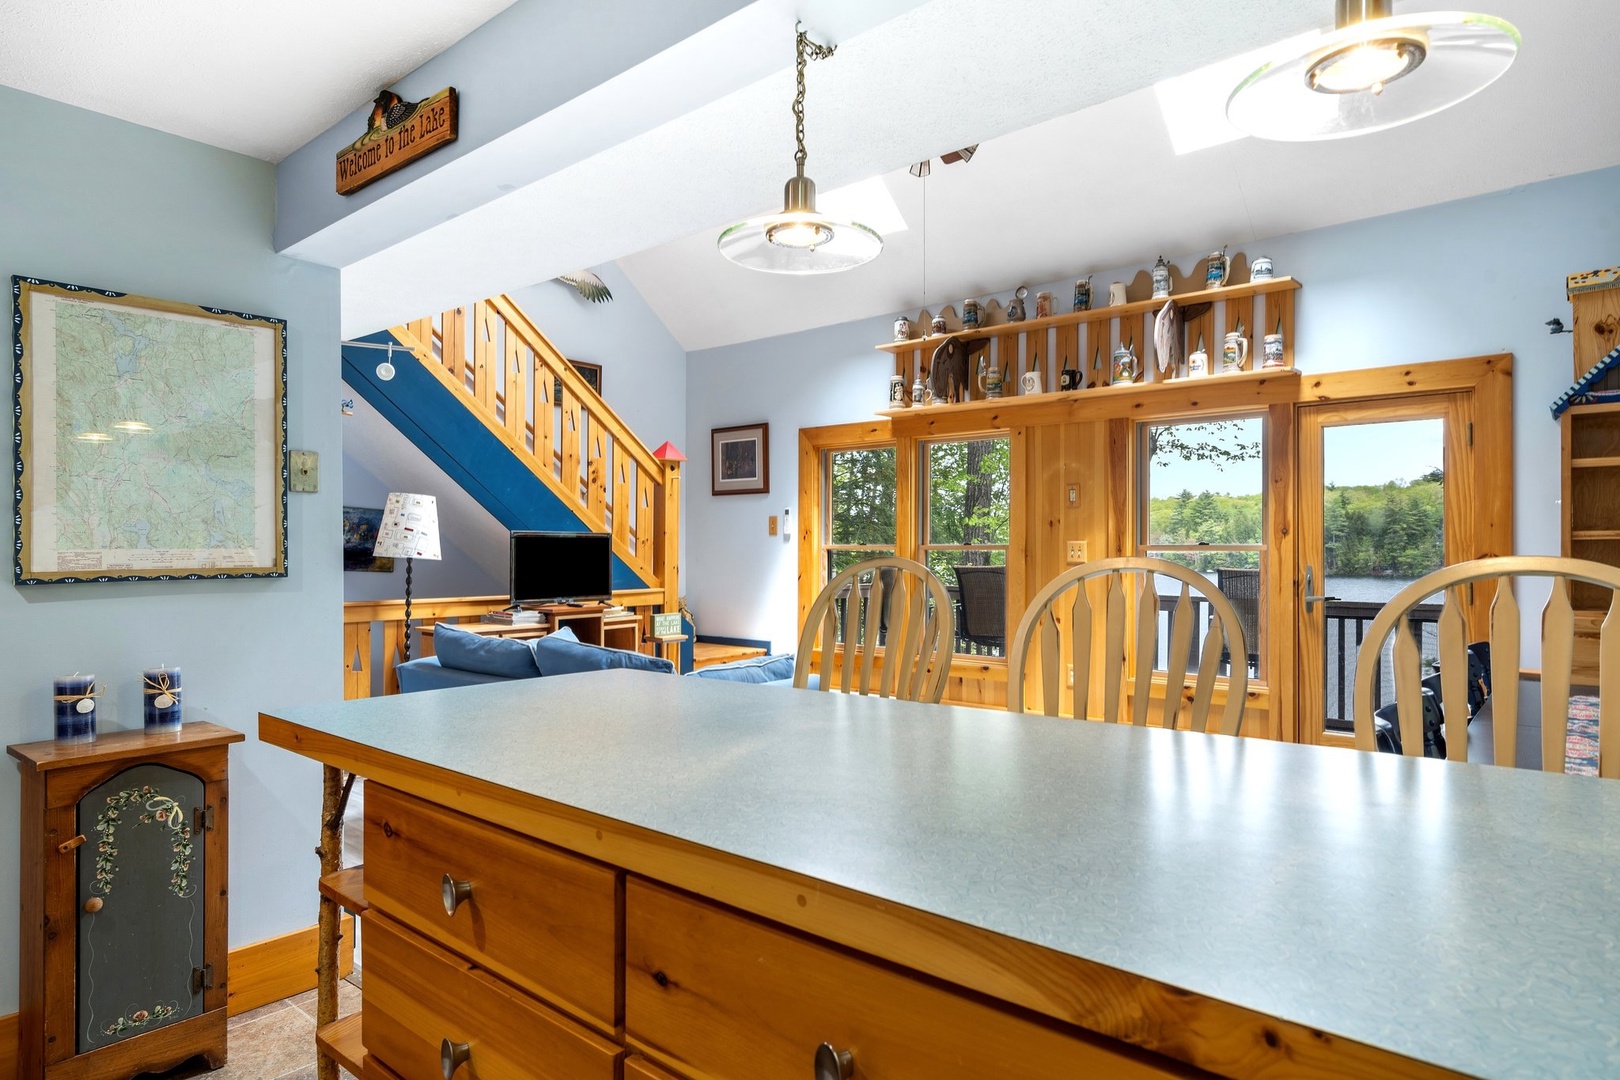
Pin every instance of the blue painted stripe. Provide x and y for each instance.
(440, 425)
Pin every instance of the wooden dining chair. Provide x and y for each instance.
(1130, 588)
(1557, 659)
(900, 623)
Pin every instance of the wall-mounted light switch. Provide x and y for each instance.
(770, 525)
(1074, 495)
(1076, 552)
(303, 471)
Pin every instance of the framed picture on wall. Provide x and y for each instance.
(151, 438)
(591, 373)
(360, 525)
(741, 460)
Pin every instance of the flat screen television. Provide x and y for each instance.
(555, 568)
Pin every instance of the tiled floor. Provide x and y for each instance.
(276, 1041)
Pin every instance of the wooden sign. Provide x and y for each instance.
(397, 133)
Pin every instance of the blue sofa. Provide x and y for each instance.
(467, 659)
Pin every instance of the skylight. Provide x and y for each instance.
(1194, 104)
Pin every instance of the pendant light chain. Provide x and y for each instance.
(815, 52)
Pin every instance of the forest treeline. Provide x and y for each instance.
(1394, 529)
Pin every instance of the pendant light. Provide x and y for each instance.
(1373, 71)
(799, 240)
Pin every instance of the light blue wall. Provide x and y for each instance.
(643, 381)
(1467, 278)
(92, 200)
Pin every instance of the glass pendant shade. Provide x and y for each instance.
(1374, 74)
(799, 240)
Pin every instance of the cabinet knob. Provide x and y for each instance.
(452, 1056)
(834, 1064)
(455, 893)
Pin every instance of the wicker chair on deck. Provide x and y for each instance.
(983, 619)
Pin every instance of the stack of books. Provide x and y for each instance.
(514, 618)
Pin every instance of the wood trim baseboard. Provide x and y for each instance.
(260, 973)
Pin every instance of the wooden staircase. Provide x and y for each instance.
(506, 373)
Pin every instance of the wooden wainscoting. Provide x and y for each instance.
(260, 973)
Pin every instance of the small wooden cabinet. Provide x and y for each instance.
(122, 936)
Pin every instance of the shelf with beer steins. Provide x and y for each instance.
(1019, 346)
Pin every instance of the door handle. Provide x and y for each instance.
(1310, 587)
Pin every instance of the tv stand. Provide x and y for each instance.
(592, 623)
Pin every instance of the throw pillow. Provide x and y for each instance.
(562, 653)
(486, 655)
(754, 669)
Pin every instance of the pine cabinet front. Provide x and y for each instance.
(122, 937)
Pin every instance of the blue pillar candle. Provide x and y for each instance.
(160, 697)
(75, 708)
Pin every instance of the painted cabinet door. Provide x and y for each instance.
(141, 909)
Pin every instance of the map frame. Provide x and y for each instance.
(34, 455)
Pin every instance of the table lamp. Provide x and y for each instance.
(409, 530)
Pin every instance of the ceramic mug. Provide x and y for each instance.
(919, 393)
(1161, 279)
(1069, 379)
(1198, 364)
(990, 380)
(902, 328)
(939, 324)
(1043, 305)
(1261, 270)
(970, 314)
(1272, 351)
(897, 391)
(1234, 353)
(1116, 294)
(1126, 367)
(1215, 273)
(1030, 382)
(1082, 294)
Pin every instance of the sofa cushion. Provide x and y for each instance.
(562, 653)
(486, 655)
(752, 669)
(426, 673)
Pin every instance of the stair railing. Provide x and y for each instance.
(533, 400)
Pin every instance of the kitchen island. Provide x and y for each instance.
(717, 877)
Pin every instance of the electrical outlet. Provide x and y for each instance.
(1076, 552)
(1074, 495)
(770, 525)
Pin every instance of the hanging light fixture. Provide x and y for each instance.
(799, 240)
(1373, 71)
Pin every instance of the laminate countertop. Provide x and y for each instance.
(1466, 916)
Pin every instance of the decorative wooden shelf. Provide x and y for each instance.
(341, 1040)
(1594, 534)
(347, 889)
(1222, 392)
(1102, 314)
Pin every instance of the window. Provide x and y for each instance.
(1202, 504)
(967, 510)
(859, 508)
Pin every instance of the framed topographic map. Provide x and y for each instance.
(151, 438)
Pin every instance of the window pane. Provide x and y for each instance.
(838, 561)
(969, 486)
(862, 497)
(1204, 483)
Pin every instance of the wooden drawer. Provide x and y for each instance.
(376, 1070)
(546, 920)
(639, 1068)
(725, 997)
(417, 995)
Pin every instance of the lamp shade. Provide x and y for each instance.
(410, 527)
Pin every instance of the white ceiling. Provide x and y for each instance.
(255, 77)
(1074, 172)
(1102, 188)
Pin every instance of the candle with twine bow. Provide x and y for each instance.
(160, 697)
(75, 697)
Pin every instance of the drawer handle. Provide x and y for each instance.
(452, 1056)
(833, 1064)
(455, 894)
